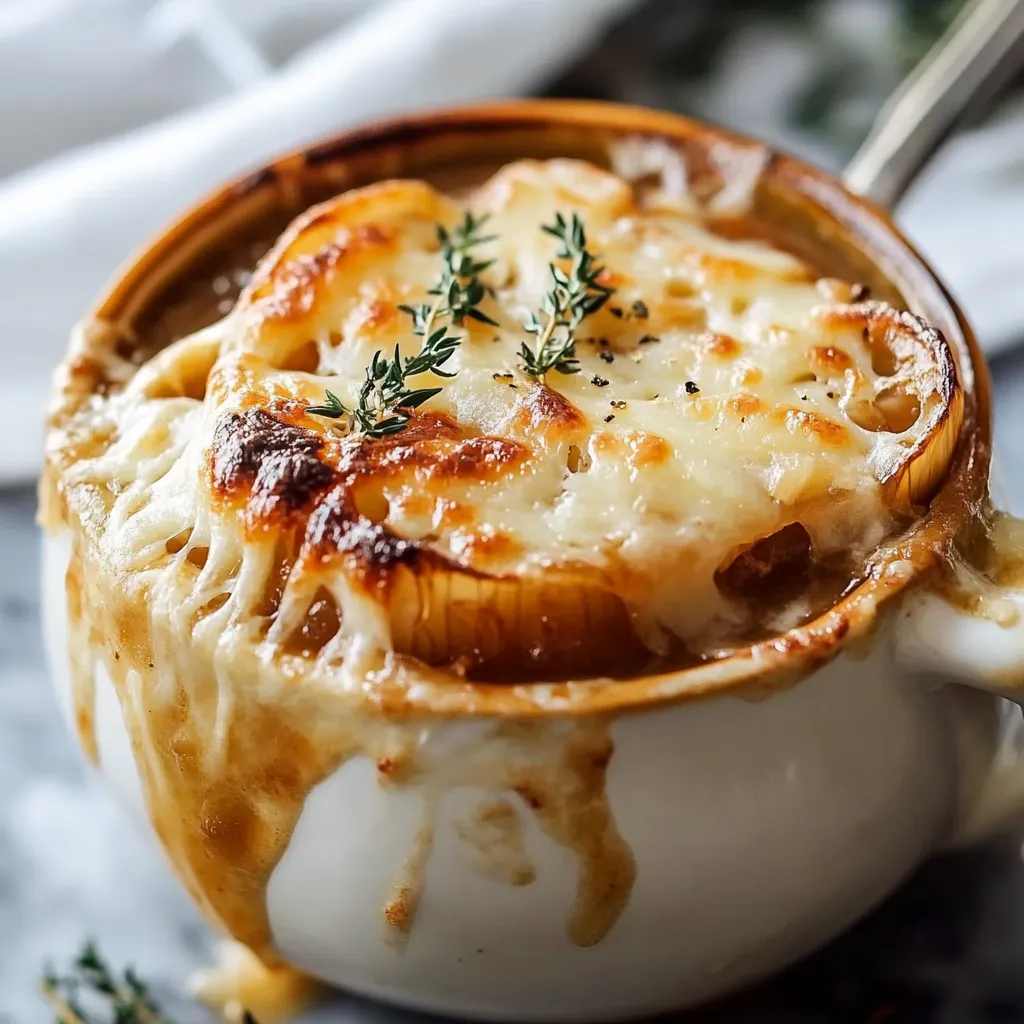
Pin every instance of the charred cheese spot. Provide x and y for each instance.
(548, 412)
(720, 346)
(337, 529)
(453, 515)
(698, 408)
(745, 405)
(273, 467)
(378, 314)
(605, 443)
(648, 450)
(830, 361)
(476, 458)
(296, 284)
(820, 428)
(486, 546)
(610, 278)
(683, 315)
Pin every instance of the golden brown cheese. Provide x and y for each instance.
(723, 396)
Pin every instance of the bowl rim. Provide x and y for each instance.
(755, 671)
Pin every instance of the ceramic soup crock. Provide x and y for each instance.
(761, 802)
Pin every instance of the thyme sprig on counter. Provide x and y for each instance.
(125, 998)
(572, 298)
(385, 401)
(92, 993)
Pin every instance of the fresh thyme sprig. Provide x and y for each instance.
(459, 286)
(92, 993)
(572, 298)
(385, 403)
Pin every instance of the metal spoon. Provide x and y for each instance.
(965, 68)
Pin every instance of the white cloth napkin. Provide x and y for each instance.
(231, 83)
(117, 114)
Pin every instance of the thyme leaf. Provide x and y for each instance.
(573, 296)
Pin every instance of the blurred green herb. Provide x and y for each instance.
(923, 22)
(846, 71)
(121, 999)
(90, 992)
(674, 55)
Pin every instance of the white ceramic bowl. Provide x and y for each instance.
(766, 801)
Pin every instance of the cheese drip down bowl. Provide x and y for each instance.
(578, 695)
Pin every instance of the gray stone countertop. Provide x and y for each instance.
(949, 947)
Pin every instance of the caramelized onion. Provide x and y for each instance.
(512, 628)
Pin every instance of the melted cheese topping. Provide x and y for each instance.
(228, 544)
(723, 396)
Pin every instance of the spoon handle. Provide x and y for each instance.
(974, 58)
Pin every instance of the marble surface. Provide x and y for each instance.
(947, 948)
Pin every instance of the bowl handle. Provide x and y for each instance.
(977, 56)
(939, 642)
